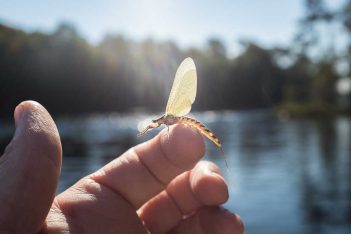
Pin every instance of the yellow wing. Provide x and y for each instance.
(183, 91)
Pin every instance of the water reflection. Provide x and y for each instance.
(326, 179)
(284, 176)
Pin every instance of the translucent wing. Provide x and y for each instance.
(183, 91)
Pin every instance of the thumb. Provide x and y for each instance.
(29, 170)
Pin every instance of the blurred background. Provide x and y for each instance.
(273, 84)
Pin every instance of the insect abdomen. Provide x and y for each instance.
(202, 128)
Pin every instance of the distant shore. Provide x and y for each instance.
(311, 110)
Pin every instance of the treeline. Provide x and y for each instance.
(70, 76)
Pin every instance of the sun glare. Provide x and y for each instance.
(153, 18)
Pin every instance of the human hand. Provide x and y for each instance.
(153, 185)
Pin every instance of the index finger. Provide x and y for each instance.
(145, 170)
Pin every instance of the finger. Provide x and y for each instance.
(89, 207)
(185, 194)
(29, 170)
(146, 169)
(210, 220)
(99, 200)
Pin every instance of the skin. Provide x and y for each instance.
(159, 185)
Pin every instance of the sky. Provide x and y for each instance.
(189, 23)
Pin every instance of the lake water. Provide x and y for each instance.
(285, 176)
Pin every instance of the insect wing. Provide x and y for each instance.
(183, 91)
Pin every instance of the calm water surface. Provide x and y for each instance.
(290, 176)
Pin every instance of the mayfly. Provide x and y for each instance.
(179, 103)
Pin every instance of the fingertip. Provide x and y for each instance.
(184, 144)
(25, 106)
(223, 220)
(22, 109)
(208, 184)
(35, 129)
(231, 222)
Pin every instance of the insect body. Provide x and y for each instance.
(179, 103)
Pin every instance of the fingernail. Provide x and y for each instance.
(207, 171)
(18, 115)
